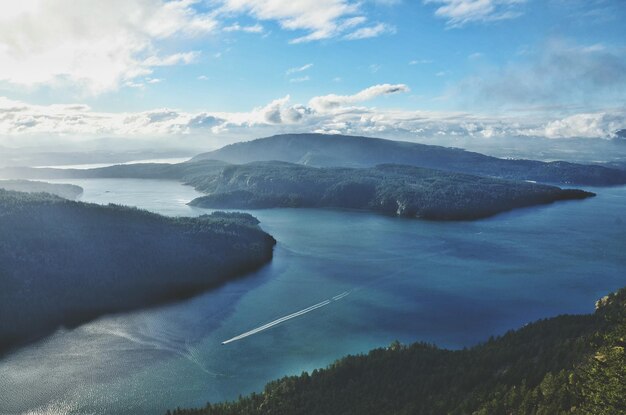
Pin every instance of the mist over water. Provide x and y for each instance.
(453, 283)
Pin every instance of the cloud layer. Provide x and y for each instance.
(328, 114)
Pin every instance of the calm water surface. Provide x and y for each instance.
(453, 284)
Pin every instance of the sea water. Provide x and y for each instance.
(379, 279)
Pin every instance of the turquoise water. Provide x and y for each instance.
(453, 284)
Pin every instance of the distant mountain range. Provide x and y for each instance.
(322, 150)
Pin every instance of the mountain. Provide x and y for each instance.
(405, 191)
(63, 263)
(33, 156)
(323, 150)
(66, 191)
(571, 364)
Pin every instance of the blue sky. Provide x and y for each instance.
(225, 68)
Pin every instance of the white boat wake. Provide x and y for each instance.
(287, 317)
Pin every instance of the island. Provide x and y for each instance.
(63, 263)
(570, 364)
(397, 190)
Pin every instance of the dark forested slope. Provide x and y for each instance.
(324, 150)
(64, 262)
(563, 365)
(389, 189)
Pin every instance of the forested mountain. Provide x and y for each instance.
(404, 191)
(66, 191)
(65, 262)
(572, 364)
(324, 150)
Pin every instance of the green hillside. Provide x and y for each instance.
(572, 364)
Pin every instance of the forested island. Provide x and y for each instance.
(63, 263)
(404, 191)
(66, 191)
(571, 364)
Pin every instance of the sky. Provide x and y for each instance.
(210, 72)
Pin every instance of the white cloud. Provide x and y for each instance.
(329, 102)
(236, 27)
(299, 69)
(374, 67)
(420, 61)
(169, 60)
(95, 45)
(461, 12)
(594, 125)
(386, 2)
(132, 84)
(300, 79)
(372, 31)
(322, 19)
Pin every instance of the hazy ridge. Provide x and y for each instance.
(66, 191)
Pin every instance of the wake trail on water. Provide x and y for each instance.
(159, 340)
(323, 303)
(287, 317)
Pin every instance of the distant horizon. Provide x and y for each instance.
(101, 152)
